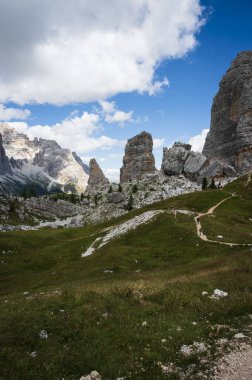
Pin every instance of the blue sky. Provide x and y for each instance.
(102, 107)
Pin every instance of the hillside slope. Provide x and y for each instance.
(134, 308)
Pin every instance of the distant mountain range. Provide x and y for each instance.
(39, 163)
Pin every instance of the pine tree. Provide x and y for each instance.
(119, 188)
(129, 205)
(204, 183)
(212, 184)
(134, 189)
(110, 189)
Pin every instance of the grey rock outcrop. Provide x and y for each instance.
(97, 181)
(181, 160)
(4, 162)
(138, 158)
(115, 197)
(194, 164)
(174, 158)
(230, 137)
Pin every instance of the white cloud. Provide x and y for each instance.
(158, 143)
(113, 115)
(107, 107)
(116, 155)
(119, 117)
(8, 113)
(198, 141)
(157, 86)
(82, 51)
(78, 133)
(112, 174)
(102, 159)
(86, 159)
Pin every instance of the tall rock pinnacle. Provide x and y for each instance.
(230, 136)
(97, 180)
(138, 158)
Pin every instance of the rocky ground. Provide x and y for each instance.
(34, 212)
(237, 365)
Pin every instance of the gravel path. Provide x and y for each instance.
(236, 365)
(204, 237)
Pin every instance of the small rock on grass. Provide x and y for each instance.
(94, 375)
(240, 336)
(43, 334)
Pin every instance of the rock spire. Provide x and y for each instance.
(97, 180)
(138, 158)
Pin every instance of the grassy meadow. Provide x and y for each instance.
(132, 304)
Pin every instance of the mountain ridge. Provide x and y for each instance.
(62, 166)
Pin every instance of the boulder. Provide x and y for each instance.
(194, 163)
(174, 158)
(115, 197)
(138, 158)
(97, 181)
(230, 137)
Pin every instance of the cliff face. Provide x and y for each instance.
(230, 136)
(5, 167)
(97, 180)
(138, 158)
(60, 164)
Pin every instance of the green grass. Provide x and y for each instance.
(94, 320)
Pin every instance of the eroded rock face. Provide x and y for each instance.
(194, 164)
(97, 180)
(230, 136)
(181, 160)
(4, 162)
(79, 160)
(174, 158)
(138, 158)
(60, 164)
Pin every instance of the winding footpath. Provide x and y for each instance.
(209, 212)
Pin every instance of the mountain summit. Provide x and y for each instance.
(46, 157)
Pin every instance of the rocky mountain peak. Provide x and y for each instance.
(47, 156)
(97, 180)
(138, 158)
(230, 136)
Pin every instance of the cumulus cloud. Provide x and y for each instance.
(119, 117)
(113, 174)
(112, 115)
(78, 133)
(9, 113)
(198, 141)
(158, 143)
(63, 51)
